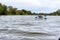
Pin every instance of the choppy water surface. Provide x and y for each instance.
(29, 28)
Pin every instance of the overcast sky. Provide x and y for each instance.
(44, 6)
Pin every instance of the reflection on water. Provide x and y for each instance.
(27, 28)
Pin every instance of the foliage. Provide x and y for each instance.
(1, 9)
(9, 10)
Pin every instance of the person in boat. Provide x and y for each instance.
(40, 16)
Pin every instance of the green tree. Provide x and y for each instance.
(24, 12)
(29, 13)
(1, 9)
(14, 11)
(4, 10)
(10, 9)
(19, 12)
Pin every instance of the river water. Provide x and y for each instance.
(28, 28)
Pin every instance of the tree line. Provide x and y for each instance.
(53, 13)
(9, 10)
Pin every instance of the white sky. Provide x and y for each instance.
(34, 5)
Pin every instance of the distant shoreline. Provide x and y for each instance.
(10, 10)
